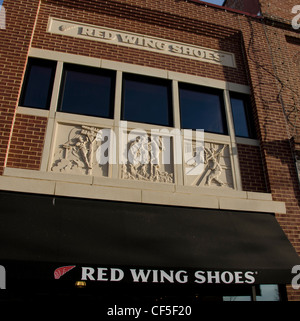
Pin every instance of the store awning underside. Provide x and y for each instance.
(36, 228)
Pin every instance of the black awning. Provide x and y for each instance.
(249, 246)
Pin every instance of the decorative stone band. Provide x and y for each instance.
(138, 41)
(87, 150)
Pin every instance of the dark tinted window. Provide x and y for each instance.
(38, 83)
(147, 100)
(202, 108)
(87, 91)
(242, 118)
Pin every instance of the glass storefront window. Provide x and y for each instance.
(202, 108)
(242, 117)
(147, 100)
(268, 292)
(263, 292)
(87, 91)
(38, 83)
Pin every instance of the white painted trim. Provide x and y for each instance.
(47, 144)
(82, 119)
(64, 57)
(247, 141)
(208, 82)
(131, 68)
(32, 111)
(56, 89)
(134, 69)
(237, 179)
(29, 181)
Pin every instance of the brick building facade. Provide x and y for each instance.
(259, 173)
(281, 84)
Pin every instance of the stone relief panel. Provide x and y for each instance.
(217, 170)
(76, 149)
(89, 150)
(149, 158)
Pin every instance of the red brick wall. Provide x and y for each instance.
(179, 23)
(278, 158)
(252, 172)
(249, 6)
(284, 46)
(27, 142)
(15, 41)
(278, 9)
(182, 22)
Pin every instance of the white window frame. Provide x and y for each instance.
(55, 116)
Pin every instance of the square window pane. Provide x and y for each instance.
(147, 100)
(87, 91)
(38, 83)
(243, 123)
(202, 108)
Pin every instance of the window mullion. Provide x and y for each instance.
(179, 168)
(114, 168)
(237, 180)
(118, 98)
(56, 88)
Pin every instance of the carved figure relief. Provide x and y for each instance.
(212, 159)
(145, 162)
(217, 167)
(85, 150)
(76, 149)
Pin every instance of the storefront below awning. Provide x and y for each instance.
(109, 242)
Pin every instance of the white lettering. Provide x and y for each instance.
(199, 53)
(191, 156)
(238, 277)
(181, 277)
(120, 311)
(249, 277)
(227, 280)
(187, 51)
(127, 38)
(140, 275)
(2, 16)
(175, 49)
(226, 277)
(123, 143)
(161, 45)
(155, 276)
(218, 57)
(296, 278)
(213, 278)
(116, 275)
(103, 155)
(88, 31)
(102, 274)
(169, 277)
(149, 43)
(87, 273)
(2, 278)
(200, 278)
(295, 20)
(210, 55)
(140, 41)
(108, 35)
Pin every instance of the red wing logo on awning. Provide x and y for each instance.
(62, 270)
